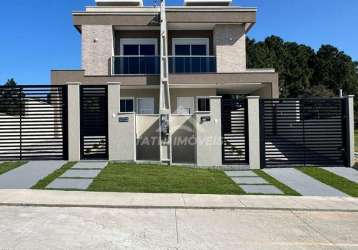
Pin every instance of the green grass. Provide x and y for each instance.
(331, 179)
(356, 140)
(285, 189)
(163, 179)
(10, 165)
(42, 184)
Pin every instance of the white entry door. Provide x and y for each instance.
(185, 105)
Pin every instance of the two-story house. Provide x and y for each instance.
(115, 97)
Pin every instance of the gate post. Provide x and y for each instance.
(121, 128)
(73, 100)
(208, 135)
(350, 130)
(253, 111)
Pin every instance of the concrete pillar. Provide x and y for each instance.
(97, 49)
(121, 128)
(208, 135)
(230, 47)
(350, 100)
(74, 122)
(253, 111)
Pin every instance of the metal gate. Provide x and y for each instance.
(94, 122)
(33, 122)
(303, 132)
(234, 131)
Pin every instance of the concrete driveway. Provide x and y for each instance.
(28, 174)
(107, 228)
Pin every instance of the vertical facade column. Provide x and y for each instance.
(350, 132)
(74, 128)
(121, 128)
(253, 111)
(208, 135)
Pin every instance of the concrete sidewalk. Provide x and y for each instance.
(42, 228)
(184, 201)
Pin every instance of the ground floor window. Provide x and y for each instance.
(203, 103)
(127, 105)
(145, 105)
(185, 105)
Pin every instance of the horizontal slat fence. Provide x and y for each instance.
(303, 132)
(33, 122)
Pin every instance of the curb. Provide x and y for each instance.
(176, 207)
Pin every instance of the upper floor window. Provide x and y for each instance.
(138, 56)
(139, 46)
(190, 46)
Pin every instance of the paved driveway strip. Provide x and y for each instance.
(79, 177)
(348, 173)
(251, 183)
(90, 165)
(28, 174)
(303, 184)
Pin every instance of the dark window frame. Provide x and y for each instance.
(205, 106)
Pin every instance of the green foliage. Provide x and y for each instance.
(43, 183)
(304, 72)
(163, 179)
(285, 189)
(10, 165)
(10, 97)
(331, 179)
(10, 83)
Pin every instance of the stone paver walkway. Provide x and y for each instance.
(79, 177)
(302, 183)
(348, 173)
(251, 183)
(29, 174)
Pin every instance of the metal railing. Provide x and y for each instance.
(123, 65)
(192, 64)
(137, 65)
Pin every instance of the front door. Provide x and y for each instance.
(94, 122)
(234, 131)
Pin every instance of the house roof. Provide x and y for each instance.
(149, 16)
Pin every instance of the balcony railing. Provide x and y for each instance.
(192, 64)
(124, 65)
(138, 65)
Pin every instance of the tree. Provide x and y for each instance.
(291, 60)
(335, 70)
(304, 73)
(10, 83)
(10, 99)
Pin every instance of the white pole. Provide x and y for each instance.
(164, 98)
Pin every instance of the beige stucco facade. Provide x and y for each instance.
(133, 136)
(230, 47)
(97, 49)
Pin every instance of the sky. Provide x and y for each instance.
(37, 36)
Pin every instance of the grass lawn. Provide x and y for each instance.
(10, 165)
(285, 189)
(356, 140)
(331, 179)
(42, 184)
(162, 179)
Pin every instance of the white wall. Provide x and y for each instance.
(209, 149)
